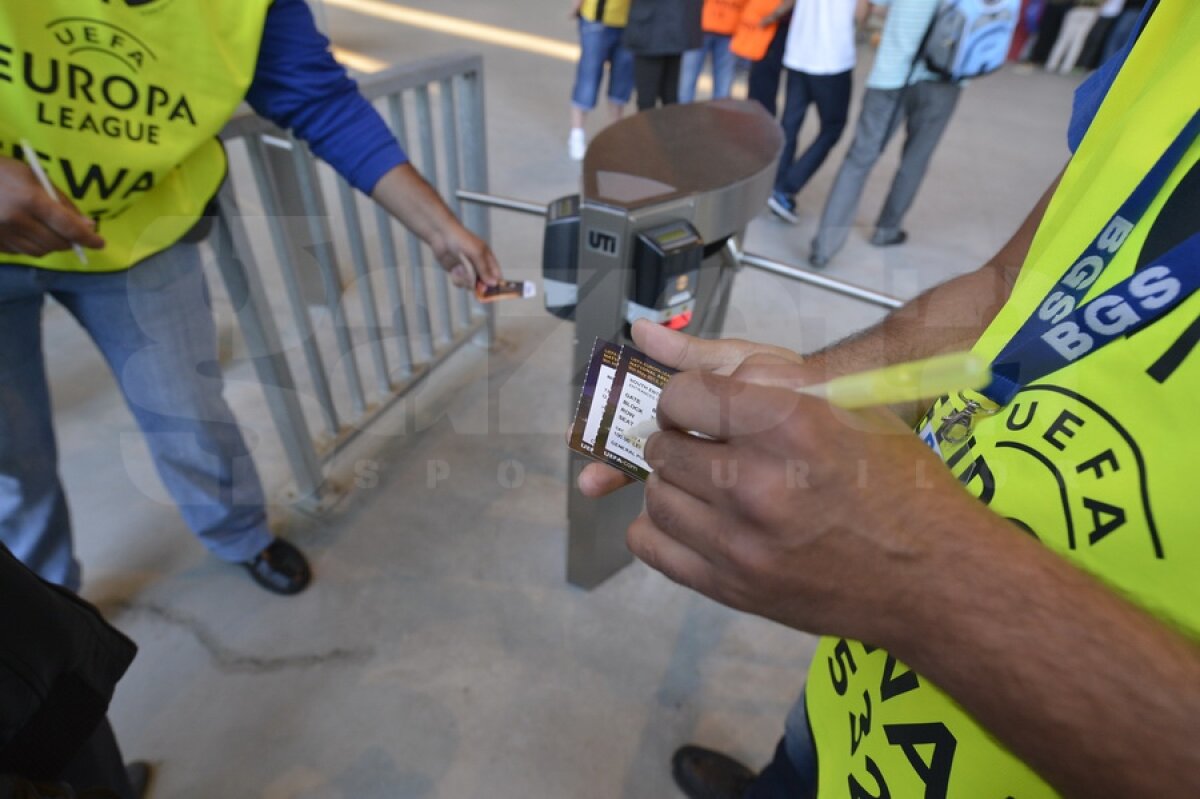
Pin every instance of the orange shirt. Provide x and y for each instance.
(721, 16)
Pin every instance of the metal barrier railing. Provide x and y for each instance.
(818, 280)
(762, 263)
(316, 312)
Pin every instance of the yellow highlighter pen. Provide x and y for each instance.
(902, 382)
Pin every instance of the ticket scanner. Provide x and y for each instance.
(664, 194)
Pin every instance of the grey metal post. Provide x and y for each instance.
(366, 291)
(596, 537)
(416, 256)
(708, 164)
(282, 172)
(452, 149)
(331, 281)
(245, 288)
(391, 274)
(429, 168)
(281, 226)
(712, 321)
(475, 166)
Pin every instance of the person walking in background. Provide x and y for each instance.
(1093, 48)
(898, 88)
(1022, 41)
(658, 33)
(765, 73)
(819, 57)
(1123, 28)
(718, 20)
(1049, 25)
(1077, 24)
(601, 25)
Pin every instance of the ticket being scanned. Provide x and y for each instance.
(505, 290)
(620, 391)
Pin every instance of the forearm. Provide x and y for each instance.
(946, 318)
(409, 197)
(1095, 695)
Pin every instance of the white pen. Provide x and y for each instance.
(44, 179)
(902, 382)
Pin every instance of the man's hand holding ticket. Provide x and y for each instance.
(669, 351)
(620, 392)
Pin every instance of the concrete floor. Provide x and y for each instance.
(439, 652)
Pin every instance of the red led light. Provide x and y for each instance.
(679, 322)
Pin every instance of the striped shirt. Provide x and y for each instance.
(907, 22)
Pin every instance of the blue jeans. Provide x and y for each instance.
(831, 94)
(1120, 33)
(792, 772)
(763, 84)
(723, 64)
(154, 327)
(599, 45)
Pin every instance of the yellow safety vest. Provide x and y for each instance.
(1094, 459)
(613, 13)
(122, 100)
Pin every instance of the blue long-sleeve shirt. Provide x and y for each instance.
(298, 85)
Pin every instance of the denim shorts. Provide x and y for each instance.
(599, 45)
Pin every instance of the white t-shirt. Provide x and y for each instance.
(821, 38)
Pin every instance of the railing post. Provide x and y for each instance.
(286, 193)
(471, 122)
(429, 169)
(235, 260)
(416, 256)
(283, 229)
(331, 278)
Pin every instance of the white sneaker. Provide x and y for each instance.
(576, 144)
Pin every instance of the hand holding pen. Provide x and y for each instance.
(889, 385)
(36, 220)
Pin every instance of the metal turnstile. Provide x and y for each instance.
(665, 193)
